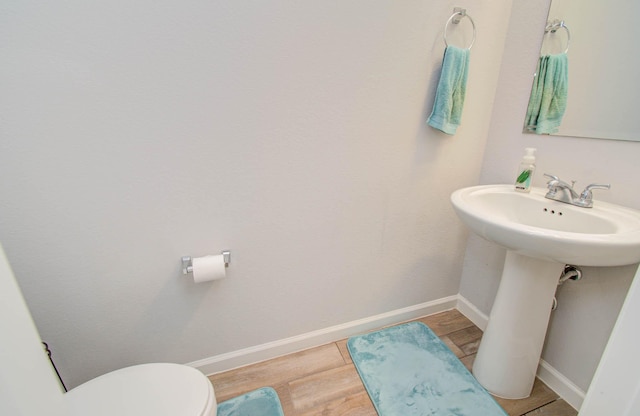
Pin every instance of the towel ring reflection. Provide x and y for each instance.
(554, 25)
(457, 15)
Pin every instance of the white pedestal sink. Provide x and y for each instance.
(541, 236)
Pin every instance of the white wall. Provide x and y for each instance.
(290, 132)
(587, 309)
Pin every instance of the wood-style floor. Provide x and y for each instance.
(324, 381)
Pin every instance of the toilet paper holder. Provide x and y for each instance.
(187, 262)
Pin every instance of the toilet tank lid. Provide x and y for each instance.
(159, 389)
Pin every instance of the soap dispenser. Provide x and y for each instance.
(525, 171)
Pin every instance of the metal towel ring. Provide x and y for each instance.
(554, 25)
(457, 15)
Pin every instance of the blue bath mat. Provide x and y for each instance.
(261, 402)
(407, 370)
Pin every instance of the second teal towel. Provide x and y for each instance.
(452, 87)
(548, 100)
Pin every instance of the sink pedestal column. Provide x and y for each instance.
(511, 346)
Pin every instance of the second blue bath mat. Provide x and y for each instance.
(261, 402)
(407, 370)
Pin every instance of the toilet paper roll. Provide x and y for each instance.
(208, 268)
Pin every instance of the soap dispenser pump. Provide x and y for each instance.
(526, 170)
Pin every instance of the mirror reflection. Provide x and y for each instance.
(602, 92)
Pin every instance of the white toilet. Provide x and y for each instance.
(29, 385)
(147, 389)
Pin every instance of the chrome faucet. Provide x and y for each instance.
(561, 191)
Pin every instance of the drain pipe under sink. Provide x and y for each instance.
(569, 272)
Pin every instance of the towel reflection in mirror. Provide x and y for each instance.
(548, 100)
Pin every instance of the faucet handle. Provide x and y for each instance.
(555, 181)
(552, 185)
(586, 197)
(586, 194)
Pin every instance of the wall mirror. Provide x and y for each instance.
(603, 98)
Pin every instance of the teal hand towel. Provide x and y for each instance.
(548, 100)
(447, 108)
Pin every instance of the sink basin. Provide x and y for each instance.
(532, 225)
(541, 236)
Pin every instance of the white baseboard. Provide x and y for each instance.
(569, 392)
(252, 355)
(474, 314)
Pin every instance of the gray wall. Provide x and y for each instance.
(292, 133)
(587, 309)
